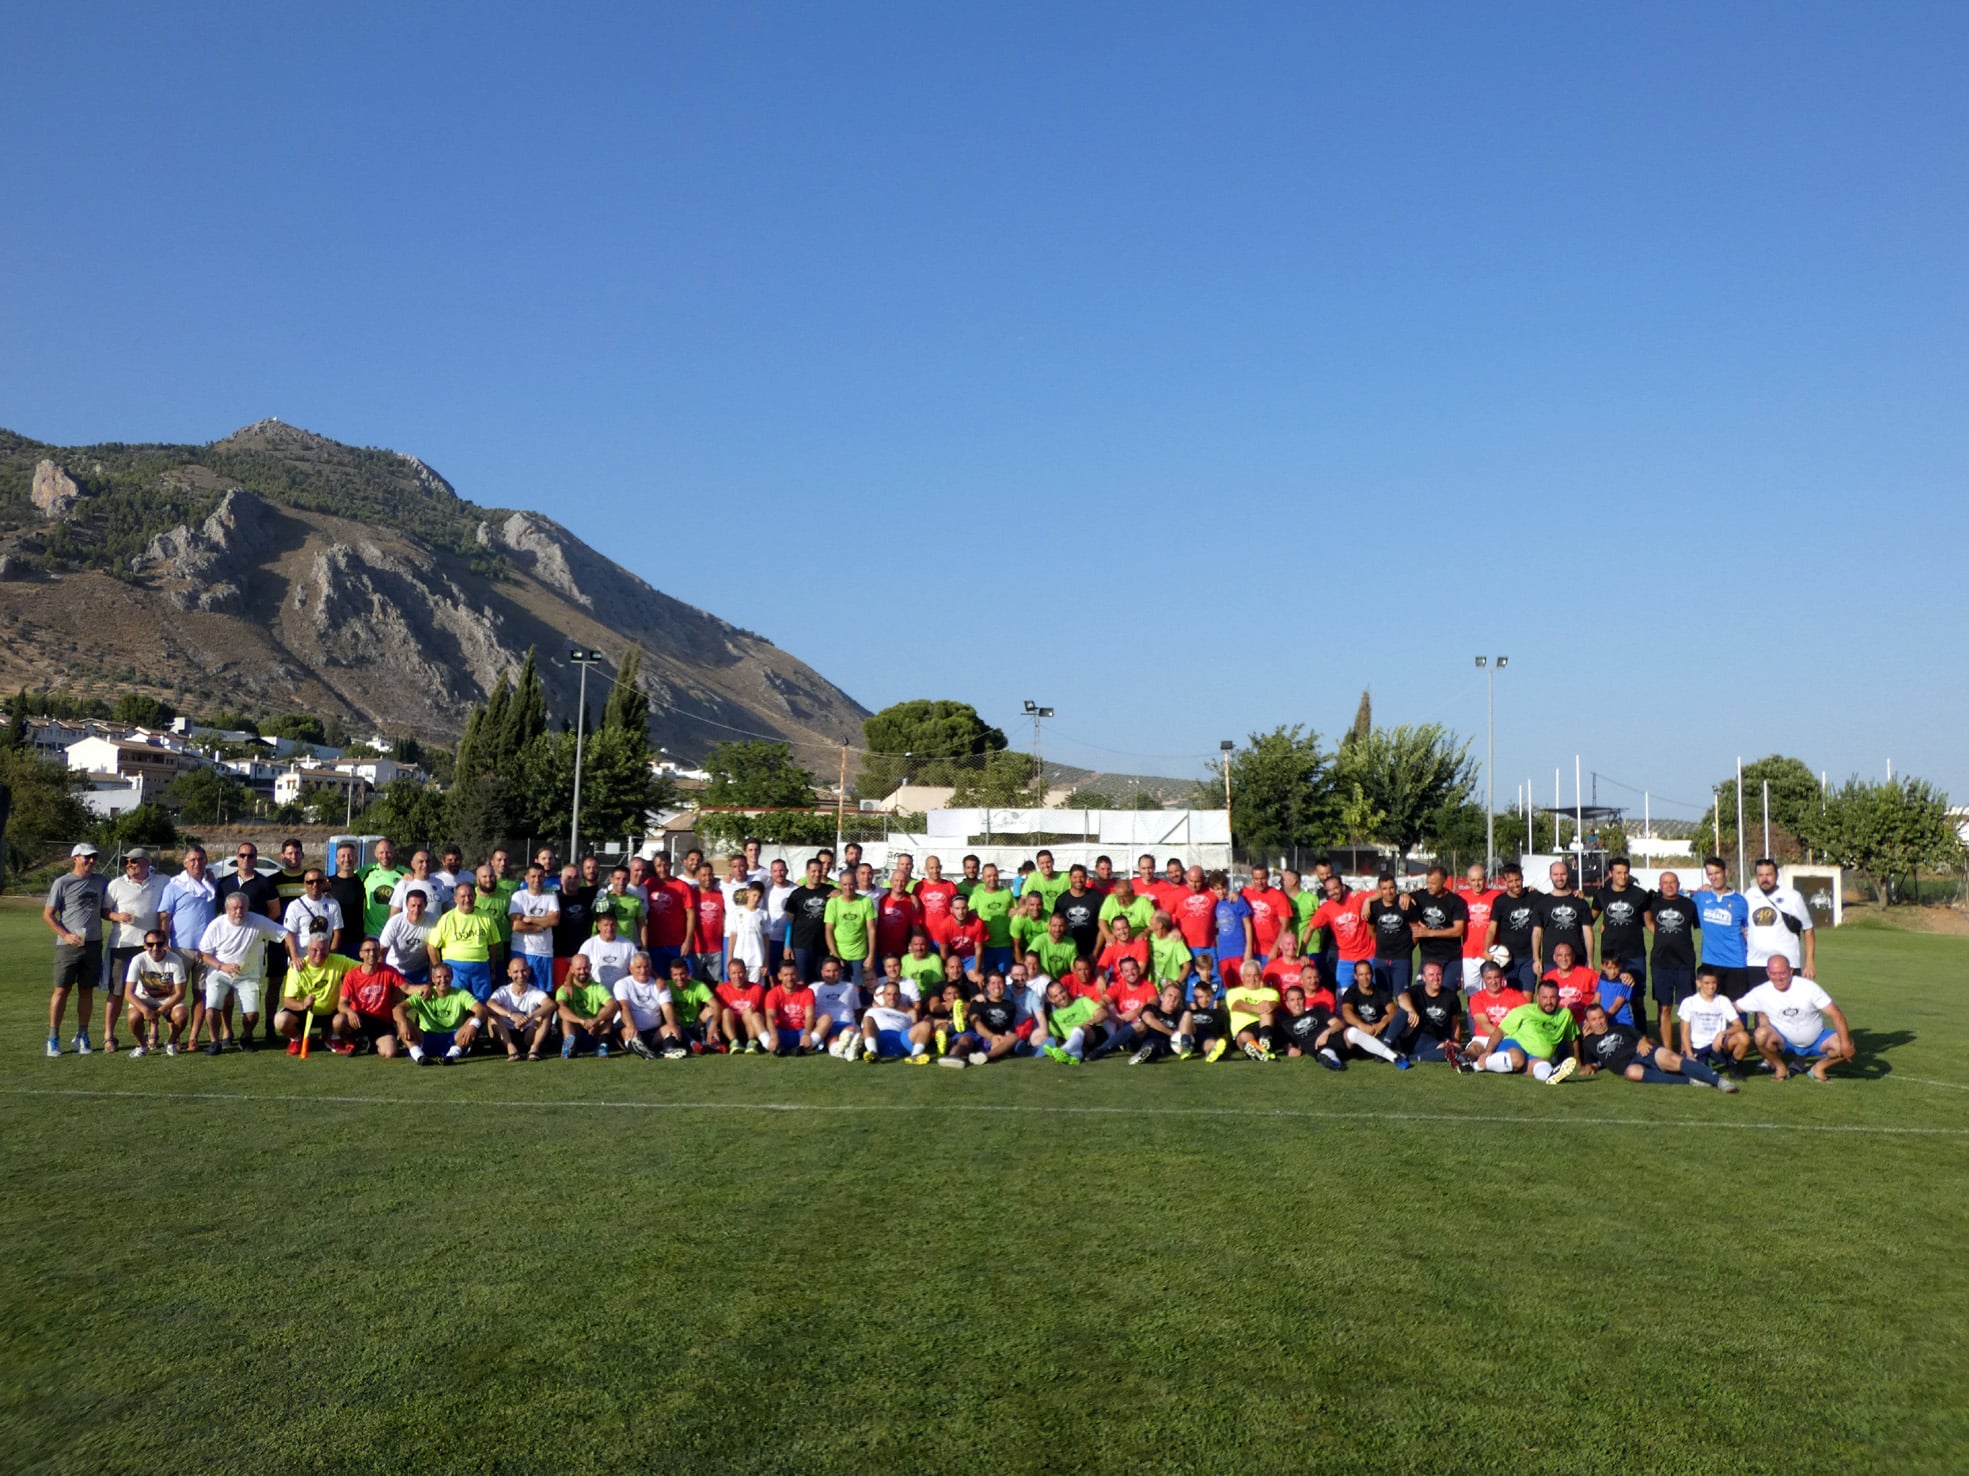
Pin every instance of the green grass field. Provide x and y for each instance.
(257, 1264)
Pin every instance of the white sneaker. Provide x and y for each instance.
(81, 1043)
(137, 1050)
(170, 1048)
(977, 1058)
(854, 1047)
(955, 1062)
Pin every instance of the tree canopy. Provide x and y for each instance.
(907, 739)
(1885, 830)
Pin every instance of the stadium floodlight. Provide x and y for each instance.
(584, 658)
(1490, 667)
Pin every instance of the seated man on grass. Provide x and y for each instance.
(1794, 1026)
(587, 1009)
(1210, 1022)
(647, 1020)
(696, 1006)
(1376, 1024)
(1712, 1030)
(441, 1023)
(311, 991)
(1254, 1009)
(1438, 1013)
(1068, 1021)
(742, 1012)
(991, 1027)
(890, 1031)
(1309, 1027)
(1162, 1027)
(1533, 1035)
(521, 1011)
(1621, 1050)
(367, 1010)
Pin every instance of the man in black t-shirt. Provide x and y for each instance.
(1438, 1015)
(1439, 917)
(1565, 915)
(1080, 905)
(806, 916)
(1376, 1025)
(990, 1027)
(1621, 1050)
(347, 888)
(1513, 923)
(1164, 1026)
(1210, 1022)
(1622, 908)
(576, 922)
(1310, 1030)
(1394, 941)
(1673, 958)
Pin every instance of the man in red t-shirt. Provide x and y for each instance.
(1145, 881)
(933, 893)
(1081, 984)
(957, 933)
(710, 925)
(1171, 889)
(1195, 912)
(1128, 990)
(1478, 895)
(789, 1008)
(1102, 881)
(1125, 945)
(1578, 985)
(1289, 968)
(742, 1011)
(1488, 1007)
(1353, 938)
(670, 930)
(897, 917)
(367, 1007)
(1271, 911)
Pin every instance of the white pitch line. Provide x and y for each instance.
(1004, 1108)
(1928, 1081)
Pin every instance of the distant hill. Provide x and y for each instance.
(281, 571)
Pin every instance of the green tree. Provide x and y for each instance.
(44, 812)
(757, 773)
(1003, 780)
(16, 736)
(142, 711)
(1089, 799)
(300, 726)
(207, 796)
(142, 825)
(618, 787)
(525, 717)
(1363, 723)
(1885, 831)
(1405, 775)
(1282, 793)
(1794, 798)
(628, 704)
(409, 813)
(230, 722)
(908, 742)
(480, 815)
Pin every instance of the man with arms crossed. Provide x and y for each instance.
(1672, 919)
(533, 913)
(74, 913)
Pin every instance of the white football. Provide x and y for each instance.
(1498, 954)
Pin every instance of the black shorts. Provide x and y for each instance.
(1672, 985)
(1733, 983)
(375, 1027)
(119, 967)
(78, 963)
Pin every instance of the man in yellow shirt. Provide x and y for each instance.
(311, 990)
(470, 941)
(1254, 1006)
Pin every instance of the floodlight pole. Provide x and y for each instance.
(1038, 714)
(1490, 671)
(1224, 747)
(583, 658)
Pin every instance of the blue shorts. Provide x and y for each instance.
(422, 976)
(473, 978)
(659, 960)
(1512, 1043)
(995, 960)
(789, 1040)
(541, 966)
(1816, 1048)
(437, 1042)
(891, 1043)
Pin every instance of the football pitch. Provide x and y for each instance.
(260, 1264)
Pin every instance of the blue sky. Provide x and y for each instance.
(1186, 367)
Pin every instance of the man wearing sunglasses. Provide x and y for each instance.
(314, 915)
(262, 896)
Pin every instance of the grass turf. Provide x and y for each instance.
(256, 1264)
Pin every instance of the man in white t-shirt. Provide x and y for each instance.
(607, 953)
(1712, 1030)
(535, 912)
(1780, 923)
(314, 914)
(404, 937)
(778, 889)
(155, 985)
(521, 1010)
(130, 902)
(649, 1017)
(234, 947)
(837, 1011)
(1795, 1011)
(436, 895)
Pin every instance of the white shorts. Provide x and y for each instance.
(1473, 975)
(144, 997)
(218, 985)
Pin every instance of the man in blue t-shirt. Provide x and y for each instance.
(1232, 932)
(1723, 915)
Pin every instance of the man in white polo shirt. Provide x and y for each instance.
(1795, 1011)
(234, 948)
(1780, 923)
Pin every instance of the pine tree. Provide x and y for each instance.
(17, 723)
(1363, 722)
(628, 704)
(525, 717)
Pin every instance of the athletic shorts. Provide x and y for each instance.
(1230, 970)
(1430, 1049)
(375, 1027)
(78, 963)
(142, 996)
(1812, 1051)
(891, 1043)
(473, 977)
(1672, 985)
(1512, 1043)
(1713, 1058)
(119, 968)
(249, 992)
(437, 1042)
(789, 1040)
(1733, 982)
(541, 966)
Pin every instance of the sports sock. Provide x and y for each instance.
(1076, 1042)
(416, 1053)
(454, 1053)
(1655, 1076)
(1540, 1070)
(1368, 1043)
(917, 1048)
(1699, 1073)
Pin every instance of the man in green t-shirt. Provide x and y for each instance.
(1170, 958)
(1056, 950)
(379, 884)
(696, 1004)
(1532, 1035)
(850, 925)
(1047, 882)
(1125, 901)
(312, 990)
(621, 903)
(1253, 1005)
(587, 1009)
(1067, 1021)
(441, 1020)
(922, 968)
(991, 904)
(1304, 905)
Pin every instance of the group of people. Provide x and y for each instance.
(429, 960)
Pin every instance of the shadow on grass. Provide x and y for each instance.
(1870, 1048)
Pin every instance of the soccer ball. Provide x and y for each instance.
(1498, 954)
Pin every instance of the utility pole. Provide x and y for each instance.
(1490, 671)
(1037, 714)
(583, 658)
(1224, 748)
(841, 803)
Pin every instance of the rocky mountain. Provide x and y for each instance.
(277, 570)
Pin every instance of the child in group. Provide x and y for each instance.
(745, 931)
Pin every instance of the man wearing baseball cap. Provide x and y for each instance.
(134, 899)
(74, 913)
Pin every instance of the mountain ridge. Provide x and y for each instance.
(279, 568)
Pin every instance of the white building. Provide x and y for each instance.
(306, 779)
(127, 758)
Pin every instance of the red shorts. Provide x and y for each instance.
(560, 972)
(1024, 1030)
(1230, 969)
